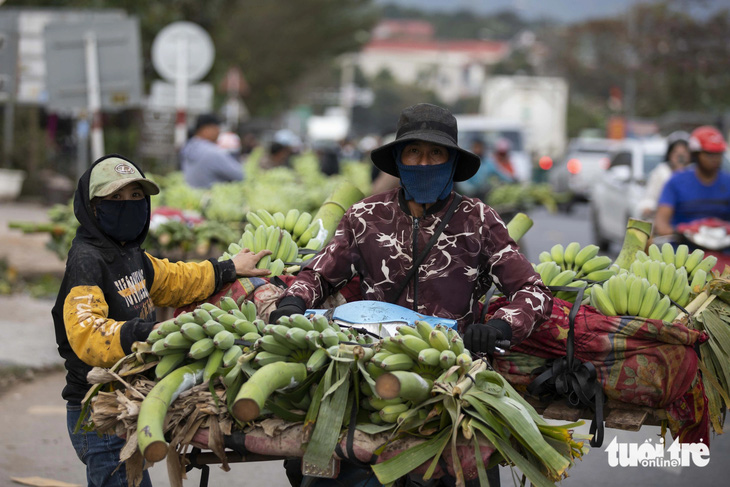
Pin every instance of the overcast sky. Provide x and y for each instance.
(561, 10)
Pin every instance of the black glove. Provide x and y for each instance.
(288, 306)
(483, 337)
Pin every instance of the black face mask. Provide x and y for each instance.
(122, 220)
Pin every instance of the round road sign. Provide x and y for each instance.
(196, 46)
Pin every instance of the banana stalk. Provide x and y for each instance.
(333, 209)
(635, 239)
(518, 226)
(256, 390)
(150, 436)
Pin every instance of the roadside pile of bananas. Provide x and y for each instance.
(697, 267)
(585, 262)
(209, 333)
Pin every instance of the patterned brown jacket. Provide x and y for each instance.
(378, 239)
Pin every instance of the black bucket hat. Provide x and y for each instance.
(429, 123)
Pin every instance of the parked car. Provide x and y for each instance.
(490, 130)
(584, 162)
(616, 194)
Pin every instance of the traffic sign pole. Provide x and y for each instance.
(94, 95)
(181, 93)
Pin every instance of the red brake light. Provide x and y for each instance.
(573, 166)
(605, 162)
(545, 163)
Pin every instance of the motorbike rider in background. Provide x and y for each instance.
(700, 191)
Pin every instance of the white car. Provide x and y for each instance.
(616, 195)
(490, 130)
(584, 162)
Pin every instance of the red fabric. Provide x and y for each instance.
(694, 226)
(638, 361)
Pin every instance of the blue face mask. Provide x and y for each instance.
(426, 184)
(124, 220)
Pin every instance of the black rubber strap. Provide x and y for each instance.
(447, 216)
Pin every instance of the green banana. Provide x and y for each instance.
(423, 329)
(397, 361)
(266, 217)
(437, 339)
(641, 256)
(291, 219)
(595, 264)
(247, 240)
(668, 253)
(280, 219)
(667, 278)
(156, 336)
(570, 253)
(168, 363)
(273, 239)
(680, 282)
(215, 359)
(707, 264)
(178, 341)
(681, 255)
(447, 359)
(185, 318)
(302, 224)
(655, 253)
(563, 278)
(670, 314)
(601, 301)
(201, 349)
(699, 279)
(548, 271)
(636, 291)
(599, 275)
(545, 257)
(412, 345)
(212, 328)
(254, 219)
(660, 309)
(227, 303)
(266, 358)
(584, 255)
(457, 345)
(224, 339)
(243, 327)
(429, 356)
(557, 253)
(637, 269)
(649, 301)
(276, 267)
(269, 344)
(618, 294)
(301, 321)
(654, 274)
(390, 413)
(193, 331)
(464, 360)
(201, 316)
(317, 360)
(169, 326)
(694, 258)
(297, 337)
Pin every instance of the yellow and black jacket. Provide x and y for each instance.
(109, 292)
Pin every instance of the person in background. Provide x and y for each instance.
(677, 158)
(477, 185)
(284, 145)
(109, 292)
(379, 238)
(500, 166)
(700, 191)
(203, 161)
(230, 142)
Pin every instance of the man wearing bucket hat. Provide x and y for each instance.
(110, 289)
(380, 238)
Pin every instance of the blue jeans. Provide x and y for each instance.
(100, 454)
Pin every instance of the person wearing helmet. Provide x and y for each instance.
(677, 158)
(700, 191)
(379, 239)
(203, 161)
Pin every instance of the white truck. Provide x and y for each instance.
(538, 103)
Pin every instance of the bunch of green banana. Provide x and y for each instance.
(668, 279)
(412, 360)
(297, 338)
(210, 332)
(552, 275)
(696, 265)
(585, 261)
(283, 248)
(634, 295)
